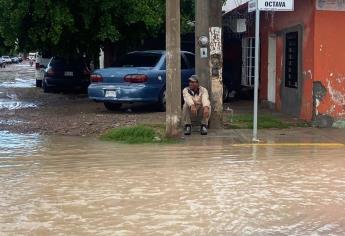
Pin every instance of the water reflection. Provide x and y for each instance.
(80, 186)
(11, 122)
(17, 145)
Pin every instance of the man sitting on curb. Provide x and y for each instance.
(196, 105)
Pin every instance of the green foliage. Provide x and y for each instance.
(78, 27)
(3, 49)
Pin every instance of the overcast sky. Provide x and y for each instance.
(231, 4)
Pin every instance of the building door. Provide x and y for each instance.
(271, 90)
(292, 82)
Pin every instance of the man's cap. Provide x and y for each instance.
(193, 78)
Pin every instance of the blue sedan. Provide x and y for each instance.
(139, 77)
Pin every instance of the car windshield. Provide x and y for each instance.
(61, 62)
(139, 60)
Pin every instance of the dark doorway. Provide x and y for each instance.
(292, 84)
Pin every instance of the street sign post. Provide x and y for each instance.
(256, 80)
(263, 5)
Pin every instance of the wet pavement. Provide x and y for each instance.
(81, 186)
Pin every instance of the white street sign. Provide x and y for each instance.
(276, 5)
(252, 5)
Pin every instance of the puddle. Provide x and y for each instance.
(12, 122)
(10, 104)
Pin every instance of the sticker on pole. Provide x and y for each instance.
(215, 40)
(276, 5)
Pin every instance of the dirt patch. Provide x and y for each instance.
(60, 114)
(69, 114)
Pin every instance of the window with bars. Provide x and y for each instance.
(291, 60)
(248, 61)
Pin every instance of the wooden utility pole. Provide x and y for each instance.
(202, 52)
(216, 62)
(173, 69)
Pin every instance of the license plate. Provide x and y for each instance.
(68, 73)
(110, 94)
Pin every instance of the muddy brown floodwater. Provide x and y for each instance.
(81, 186)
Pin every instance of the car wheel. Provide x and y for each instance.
(162, 101)
(112, 106)
(38, 83)
(225, 93)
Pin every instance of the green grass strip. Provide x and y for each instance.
(264, 122)
(140, 134)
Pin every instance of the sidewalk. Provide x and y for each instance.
(295, 135)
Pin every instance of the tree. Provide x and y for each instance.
(82, 26)
(3, 48)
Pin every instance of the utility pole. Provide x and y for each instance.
(202, 66)
(173, 69)
(216, 62)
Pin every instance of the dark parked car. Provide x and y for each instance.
(138, 77)
(64, 74)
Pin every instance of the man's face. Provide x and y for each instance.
(193, 85)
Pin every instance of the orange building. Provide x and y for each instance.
(302, 59)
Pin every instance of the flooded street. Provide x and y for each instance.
(81, 186)
(218, 185)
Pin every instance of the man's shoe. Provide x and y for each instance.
(188, 130)
(203, 130)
